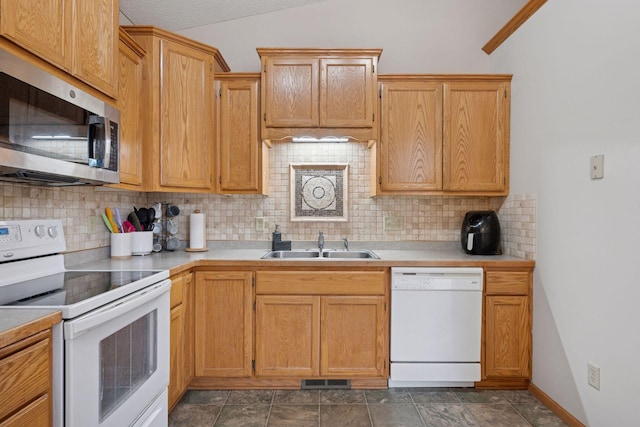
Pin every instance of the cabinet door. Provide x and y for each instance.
(223, 322)
(238, 141)
(347, 92)
(188, 342)
(287, 335)
(176, 356)
(508, 337)
(476, 136)
(130, 105)
(291, 92)
(411, 136)
(186, 122)
(42, 28)
(95, 42)
(352, 342)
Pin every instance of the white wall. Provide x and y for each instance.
(418, 36)
(576, 93)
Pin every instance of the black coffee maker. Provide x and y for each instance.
(480, 233)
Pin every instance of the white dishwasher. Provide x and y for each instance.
(436, 321)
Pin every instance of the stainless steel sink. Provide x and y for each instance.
(350, 254)
(291, 254)
(314, 253)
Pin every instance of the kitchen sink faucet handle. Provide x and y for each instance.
(320, 240)
(346, 243)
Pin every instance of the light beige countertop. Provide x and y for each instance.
(19, 323)
(248, 255)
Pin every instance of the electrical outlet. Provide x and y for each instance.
(92, 224)
(594, 375)
(393, 223)
(259, 223)
(596, 164)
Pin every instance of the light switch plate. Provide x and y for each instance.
(597, 166)
(393, 223)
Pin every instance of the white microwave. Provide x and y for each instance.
(51, 132)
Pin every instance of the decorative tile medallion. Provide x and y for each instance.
(319, 192)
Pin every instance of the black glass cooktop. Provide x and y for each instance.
(67, 288)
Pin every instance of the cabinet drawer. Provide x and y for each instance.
(176, 290)
(320, 282)
(36, 414)
(507, 282)
(24, 376)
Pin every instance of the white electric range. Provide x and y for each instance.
(111, 351)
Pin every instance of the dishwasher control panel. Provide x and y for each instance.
(436, 278)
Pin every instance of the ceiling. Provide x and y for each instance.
(175, 15)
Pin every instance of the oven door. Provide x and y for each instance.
(117, 359)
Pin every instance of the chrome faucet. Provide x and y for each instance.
(346, 243)
(320, 241)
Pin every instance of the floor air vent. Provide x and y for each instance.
(326, 384)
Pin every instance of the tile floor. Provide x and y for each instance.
(366, 408)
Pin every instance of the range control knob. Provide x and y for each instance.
(53, 232)
(40, 231)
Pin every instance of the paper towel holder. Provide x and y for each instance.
(205, 249)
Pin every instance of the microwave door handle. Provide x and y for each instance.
(95, 139)
(77, 327)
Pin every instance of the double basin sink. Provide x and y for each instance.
(315, 253)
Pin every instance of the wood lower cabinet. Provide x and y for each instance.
(77, 36)
(26, 374)
(242, 159)
(319, 92)
(178, 107)
(507, 329)
(287, 336)
(181, 341)
(321, 324)
(224, 324)
(442, 135)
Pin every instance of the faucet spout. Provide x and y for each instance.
(320, 241)
(346, 243)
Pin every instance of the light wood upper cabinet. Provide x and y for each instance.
(95, 43)
(411, 136)
(443, 135)
(242, 159)
(43, 28)
(223, 324)
(130, 106)
(78, 36)
(178, 111)
(476, 136)
(507, 328)
(319, 92)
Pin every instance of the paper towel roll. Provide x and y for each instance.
(197, 231)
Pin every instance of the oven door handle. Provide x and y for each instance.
(79, 326)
